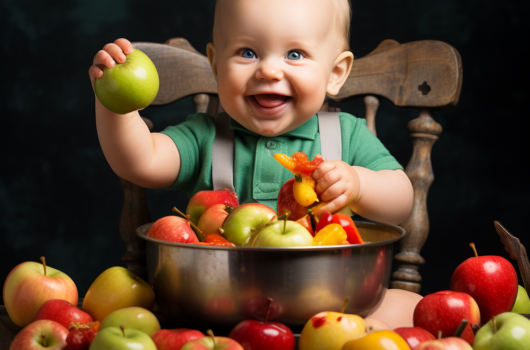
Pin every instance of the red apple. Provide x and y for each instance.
(212, 219)
(82, 335)
(41, 334)
(491, 280)
(258, 335)
(414, 335)
(444, 311)
(202, 200)
(287, 203)
(29, 285)
(63, 312)
(306, 222)
(245, 220)
(212, 343)
(173, 229)
(174, 339)
(449, 343)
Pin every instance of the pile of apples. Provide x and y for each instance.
(216, 218)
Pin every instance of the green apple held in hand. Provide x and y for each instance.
(128, 86)
(506, 331)
(114, 338)
(522, 302)
(132, 317)
(282, 233)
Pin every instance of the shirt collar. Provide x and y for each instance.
(306, 131)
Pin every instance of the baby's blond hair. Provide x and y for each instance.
(342, 19)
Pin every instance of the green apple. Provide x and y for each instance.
(114, 338)
(522, 302)
(282, 233)
(510, 332)
(128, 86)
(114, 289)
(245, 220)
(134, 317)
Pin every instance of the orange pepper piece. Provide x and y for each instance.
(304, 190)
(286, 161)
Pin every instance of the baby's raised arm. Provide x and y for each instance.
(134, 153)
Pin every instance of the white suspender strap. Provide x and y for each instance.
(223, 154)
(330, 137)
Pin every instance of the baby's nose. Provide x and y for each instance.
(269, 71)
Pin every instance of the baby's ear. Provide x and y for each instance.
(212, 57)
(340, 72)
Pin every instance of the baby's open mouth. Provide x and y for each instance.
(270, 100)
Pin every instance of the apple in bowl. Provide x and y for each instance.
(245, 220)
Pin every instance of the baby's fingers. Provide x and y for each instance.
(335, 205)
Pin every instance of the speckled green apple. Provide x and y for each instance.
(128, 86)
(114, 338)
(511, 331)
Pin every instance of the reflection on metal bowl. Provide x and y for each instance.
(221, 286)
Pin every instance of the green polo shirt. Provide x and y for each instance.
(258, 177)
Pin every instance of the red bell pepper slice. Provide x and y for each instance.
(351, 230)
(324, 221)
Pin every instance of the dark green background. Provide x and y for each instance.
(59, 198)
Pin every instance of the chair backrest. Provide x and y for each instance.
(426, 75)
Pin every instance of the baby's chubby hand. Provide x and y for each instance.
(337, 183)
(108, 56)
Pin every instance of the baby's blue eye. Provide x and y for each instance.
(294, 55)
(248, 53)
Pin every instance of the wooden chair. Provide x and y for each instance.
(425, 75)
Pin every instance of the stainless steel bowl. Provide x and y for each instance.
(221, 286)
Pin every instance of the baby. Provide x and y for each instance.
(274, 61)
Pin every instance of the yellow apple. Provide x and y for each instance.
(117, 288)
(377, 340)
(330, 330)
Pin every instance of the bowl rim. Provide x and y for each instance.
(142, 230)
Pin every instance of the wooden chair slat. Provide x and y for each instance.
(420, 74)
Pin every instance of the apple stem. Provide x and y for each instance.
(43, 336)
(229, 208)
(494, 324)
(269, 302)
(254, 229)
(472, 245)
(344, 304)
(187, 217)
(122, 331)
(439, 334)
(221, 231)
(210, 333)
(461, 328)
(43, 264)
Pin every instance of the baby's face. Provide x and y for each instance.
(273, 61)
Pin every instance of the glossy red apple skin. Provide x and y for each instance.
(257, 335)
(63, 312)
(212, 219)
(414, 335)
(30, 337)
(306, 222)
(444, 311)
(287, 204)
(491, 280)
(450, 343)
(172, 229)
(174, 339)
(202, 200)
